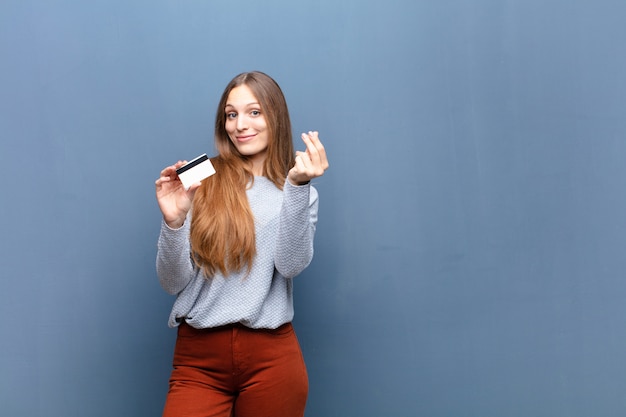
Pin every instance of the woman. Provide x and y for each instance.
(229, 249)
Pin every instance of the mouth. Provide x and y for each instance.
(245, 138)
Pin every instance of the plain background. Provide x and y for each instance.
(470, 252)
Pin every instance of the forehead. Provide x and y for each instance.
(241, 96)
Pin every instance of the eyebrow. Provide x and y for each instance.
(246, 105)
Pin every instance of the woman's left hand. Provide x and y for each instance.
(311, 163)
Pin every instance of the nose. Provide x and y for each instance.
(242, 122)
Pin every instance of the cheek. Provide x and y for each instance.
(260, 124)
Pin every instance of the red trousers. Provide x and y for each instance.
(235, 371)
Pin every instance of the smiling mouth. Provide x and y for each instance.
(245, 138)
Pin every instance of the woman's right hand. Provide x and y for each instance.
(174, 201)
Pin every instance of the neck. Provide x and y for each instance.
(257, 166)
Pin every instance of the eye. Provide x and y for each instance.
(231, 115)
(255, 113)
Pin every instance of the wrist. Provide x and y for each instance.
(297, 183)
(174, 224)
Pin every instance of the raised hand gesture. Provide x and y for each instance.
(174, 200)
(311, 163)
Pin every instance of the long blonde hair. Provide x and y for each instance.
(222, 227)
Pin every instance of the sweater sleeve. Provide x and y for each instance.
(296, 229)
(174, 265)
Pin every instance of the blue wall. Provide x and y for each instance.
(471, 247)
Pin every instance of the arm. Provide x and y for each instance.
(296, 229)
(174, 265)
(298, 215)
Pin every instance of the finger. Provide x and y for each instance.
(315, 150)
(161, 180)
(315, 142)
(320, 149)
(302, 161)
(311, 150)
(168, 171)
(315, 139)
(193, 187)
(298, 174)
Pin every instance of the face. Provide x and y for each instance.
(246, 125)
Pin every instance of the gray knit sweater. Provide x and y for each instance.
(285, 226)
